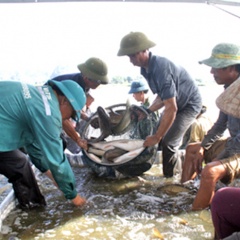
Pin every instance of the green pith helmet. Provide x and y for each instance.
(223, 55)
(94, 69)
(134, 42)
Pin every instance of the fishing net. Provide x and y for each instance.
(127, 122)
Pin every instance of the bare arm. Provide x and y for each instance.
(89, 102)
(156, 104)
(167, 120)
(73, 134)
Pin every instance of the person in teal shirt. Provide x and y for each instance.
(31, 118)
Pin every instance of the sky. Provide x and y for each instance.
(40, 37)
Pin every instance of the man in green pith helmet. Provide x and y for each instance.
(176, 92)
(93, 72)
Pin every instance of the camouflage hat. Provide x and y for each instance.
(134, 42)
(223, 55)
(95, 69)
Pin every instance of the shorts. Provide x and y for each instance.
(214, 150)
(231, 164)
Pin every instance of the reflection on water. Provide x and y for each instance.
(117, 209)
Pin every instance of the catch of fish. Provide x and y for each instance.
(118, 144)
(110, 122)
(116, 151)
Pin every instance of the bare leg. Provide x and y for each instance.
(210, 175)
(189, 171)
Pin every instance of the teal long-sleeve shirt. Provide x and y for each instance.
(30, 117)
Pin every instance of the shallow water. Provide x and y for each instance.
(116, 209)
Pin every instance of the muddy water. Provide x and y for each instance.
(130, 209)
(117, 209)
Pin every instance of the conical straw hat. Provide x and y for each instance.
(229, 101)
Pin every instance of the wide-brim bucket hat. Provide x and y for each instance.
(134, 42)
(223, 55)
(95, 69)
(74, 94)
(229, 101)
(138, 86)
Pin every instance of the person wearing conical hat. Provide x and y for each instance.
(93, 72)
(221, 155)
(176, 92)
(31, 118)
(229, 101)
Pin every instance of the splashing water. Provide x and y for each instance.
(116, 209)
